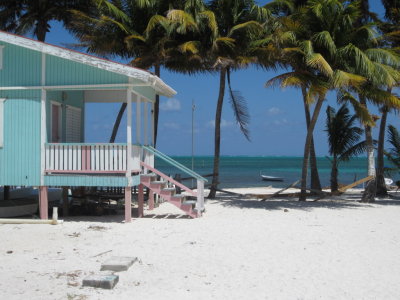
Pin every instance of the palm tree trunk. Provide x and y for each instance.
(370, 144)
(41, 30)
(334, 175)
(315, 182)
(117, 122)
(370, 190)
(307, 146)
(157, 70)
(217, 134)
(380, 179)
(123, 108)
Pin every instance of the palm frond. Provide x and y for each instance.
(239, 107)
(318, 62)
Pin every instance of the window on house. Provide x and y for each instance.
(2, 122)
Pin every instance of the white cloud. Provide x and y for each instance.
(171, 125)
(281, 122)
(224, 123)
(170, 105)
(274, 111)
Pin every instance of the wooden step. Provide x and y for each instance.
(177, 199)
(148, 178)
(167, 191)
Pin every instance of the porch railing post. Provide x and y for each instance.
(200, 197)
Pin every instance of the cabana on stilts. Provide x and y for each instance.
(43, 92)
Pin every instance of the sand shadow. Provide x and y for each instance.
(167, 216)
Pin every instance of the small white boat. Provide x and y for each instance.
(18, 208)
(388, 181)
(271, 178)
(25, 201)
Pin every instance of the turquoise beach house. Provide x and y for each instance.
(43, 92)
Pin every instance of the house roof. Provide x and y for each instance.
(160, 86)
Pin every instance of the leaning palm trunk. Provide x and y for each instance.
(217, 135)
(370, 190)
(123, 108)
(315, 182)
(307, 146)
(156, 106)
(380, 179)
(370, 144)
(334, 175)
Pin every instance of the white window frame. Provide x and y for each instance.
(2, 100)
(60, 127)
(1, 56)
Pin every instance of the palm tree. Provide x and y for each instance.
(286, 8)
(392, 16)
(233, 26)
(343, 137)
(328, 45)
(24, 16)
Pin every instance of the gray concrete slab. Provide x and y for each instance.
(101, 281)
(118, 263)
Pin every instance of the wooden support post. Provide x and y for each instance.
(65, 201)
(151, 200)
(138, 119)
(43, 203)
(146, 123)
(128, 204)
(129, 135)
(140, 201)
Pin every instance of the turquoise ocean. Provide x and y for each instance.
(244, 171)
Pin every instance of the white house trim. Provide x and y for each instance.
(145, 76)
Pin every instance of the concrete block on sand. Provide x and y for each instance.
(118, 264)
(101, 281)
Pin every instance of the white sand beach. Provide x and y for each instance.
(239, 249)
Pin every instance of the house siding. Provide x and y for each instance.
(21, 66)
(20, 156)
(61, 71)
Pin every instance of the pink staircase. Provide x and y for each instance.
(166, 189)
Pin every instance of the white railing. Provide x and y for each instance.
(86, 158)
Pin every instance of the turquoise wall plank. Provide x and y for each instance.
(88, 180)
(21, 66)
(20, 156)
(61, 71)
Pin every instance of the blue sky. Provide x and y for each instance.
(277, 125)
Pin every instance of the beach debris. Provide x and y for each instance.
(97, 228)
(9, 252)
(76, 297)
(101, 281)
(102, 253)
(285, 210)
(118, 263)
(74, 234)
